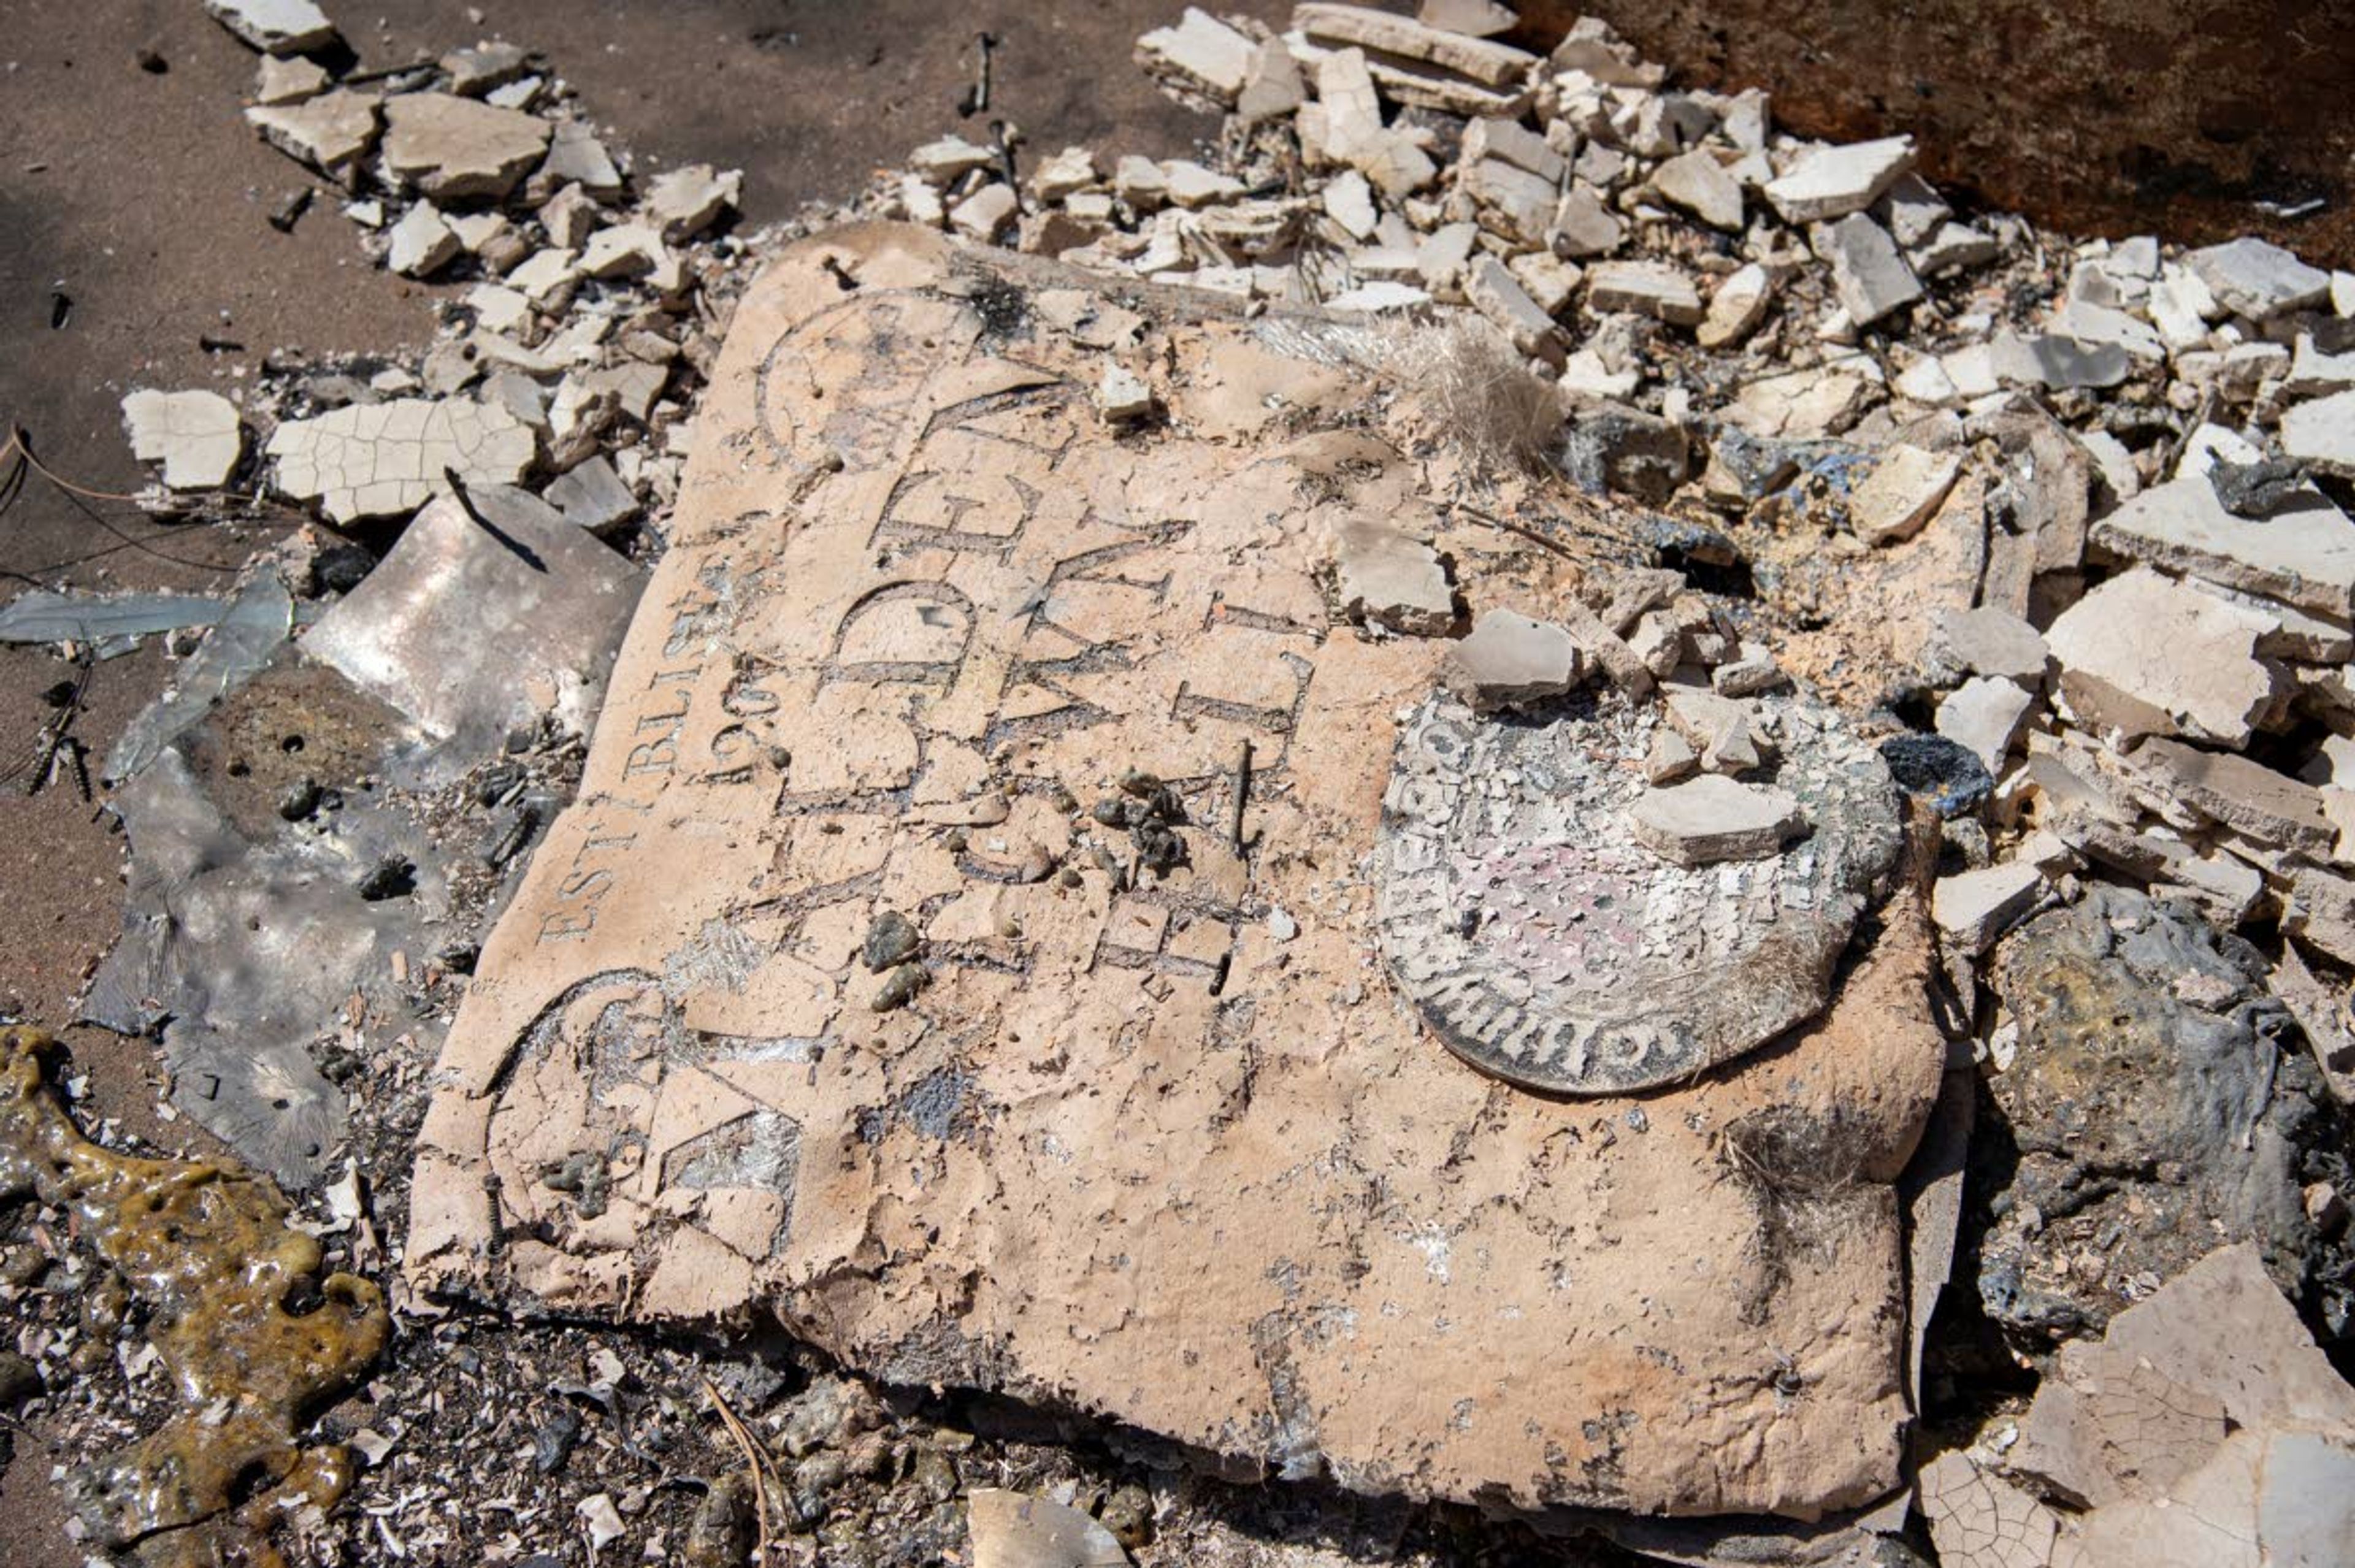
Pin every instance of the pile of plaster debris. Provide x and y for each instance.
(2104, 520)
(593, 305)
(2077, 517)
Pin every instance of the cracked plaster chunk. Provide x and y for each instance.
(1990, 641)
(1987, 715)
(1698, 183)
(2304, 554)
(331, 133)
(423, 244)
(283, 82)
(1202, 52)
(378, 460)
(194, 435)
(2259, 280)
(451, 147)
(1386, 578)
(1647, 288)
(1976, 907)
(686, 201)
(1903, 493)
(1014, 1530)
(1738, 305)
(1711, 818)
(1832, 182)
(275, 26)
(575, 156)
(1868, 276)
(2144, 654)
(984, 215)
(1509, 660)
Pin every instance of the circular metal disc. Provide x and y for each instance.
(1546, 947)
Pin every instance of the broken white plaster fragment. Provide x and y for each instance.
(1510, 659)
(2254, 278)
(451, 147)
(2144, 654)
(1202, 52)
(984, 213)
(275, 26)
(1649, 288)
(1905, 489)
(331, 133)
(1976, 907)
(1832, 182)
(686, 201)
(378, 460)
(1711, 818)
(423, 242)
(1387, 578)
(194, 435)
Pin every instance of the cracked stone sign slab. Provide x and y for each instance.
(967, 947)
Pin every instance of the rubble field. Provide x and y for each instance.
(1516, 821)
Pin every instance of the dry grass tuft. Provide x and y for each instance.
(1477, 392)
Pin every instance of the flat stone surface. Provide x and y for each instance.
(2270, 808)
(1509, 660)
(275, 26)
(1832, 182)
(1129, 1151)
(2304, 554)
(378, 460)
(2145, 655)
(1713, 818)
(593, 496)
(2206, 1428)
(194, 435)
(1583, 226)
(2321, 433)
(2259, 280)
(451, 147)
(686, 201)
(1738, 304)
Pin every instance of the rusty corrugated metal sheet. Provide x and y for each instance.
(2096, 116)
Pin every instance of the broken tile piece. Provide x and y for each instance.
(1510, 659)
(289, 81)
(1472, 18)
(474, 71)
(1015, 1529)
(2144, 654)
(1974, 908)
(378, 460)
(1386, 578)
(1711, 818)
(984, 213)
(1494, 293)
(1737, 307)
(1123, 396)
(591, 496)
(275, 26)
(1990, 641)
(1904, 491)
(1199, 52)
(1649, 288)
(194, 435)
(1868, 276)
(1832, 182)
(2245, 795)
(331, 133)
(1987, 715)
(423, 244)
(1698, 183)
(684, 202)
(575, 156)
(2258, 279)
(452, 148)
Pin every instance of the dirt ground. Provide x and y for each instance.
(134, 251)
